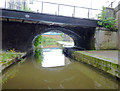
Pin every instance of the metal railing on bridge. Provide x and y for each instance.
(56, 9)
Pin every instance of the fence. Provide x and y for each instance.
(57, 9)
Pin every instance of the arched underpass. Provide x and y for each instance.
(20, 35)
(68, 32)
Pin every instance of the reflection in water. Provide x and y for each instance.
(50, 48)
(49, 61)
(45, 59)
(73, 75)
(39, 55)
(11, 73)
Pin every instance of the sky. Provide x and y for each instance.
(83, 3)
(97, 4)
(66, 10)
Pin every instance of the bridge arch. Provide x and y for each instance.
(76, 38)
(21, 35)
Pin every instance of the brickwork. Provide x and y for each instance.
(53, 36)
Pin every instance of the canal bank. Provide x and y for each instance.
(9, 58)
(106, 61)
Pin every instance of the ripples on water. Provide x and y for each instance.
(67, 75)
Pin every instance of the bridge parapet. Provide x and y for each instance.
(56, 9)
(46, 18)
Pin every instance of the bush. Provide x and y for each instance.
(38, 41)
(106, 22)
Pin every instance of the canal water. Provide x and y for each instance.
(55, 72)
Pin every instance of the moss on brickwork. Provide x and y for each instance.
(109, 67)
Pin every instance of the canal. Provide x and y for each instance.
(55, 71)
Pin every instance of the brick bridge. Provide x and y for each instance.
(19, 29)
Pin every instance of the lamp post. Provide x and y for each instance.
(5, 3)
(111, 4)
(91, 8)
(31, 2)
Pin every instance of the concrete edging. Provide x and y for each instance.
(109, 67)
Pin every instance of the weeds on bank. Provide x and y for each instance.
(6, 57)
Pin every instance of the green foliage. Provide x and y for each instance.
(6, 57)
(39, 55)
(61, 34)
(46, 41)
(38, 50)
(38, 41)
(106, 22)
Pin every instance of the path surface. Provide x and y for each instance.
(107, 54)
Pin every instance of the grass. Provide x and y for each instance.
(46, 41)
(6, 57)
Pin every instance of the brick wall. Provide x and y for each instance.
(53, 36)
